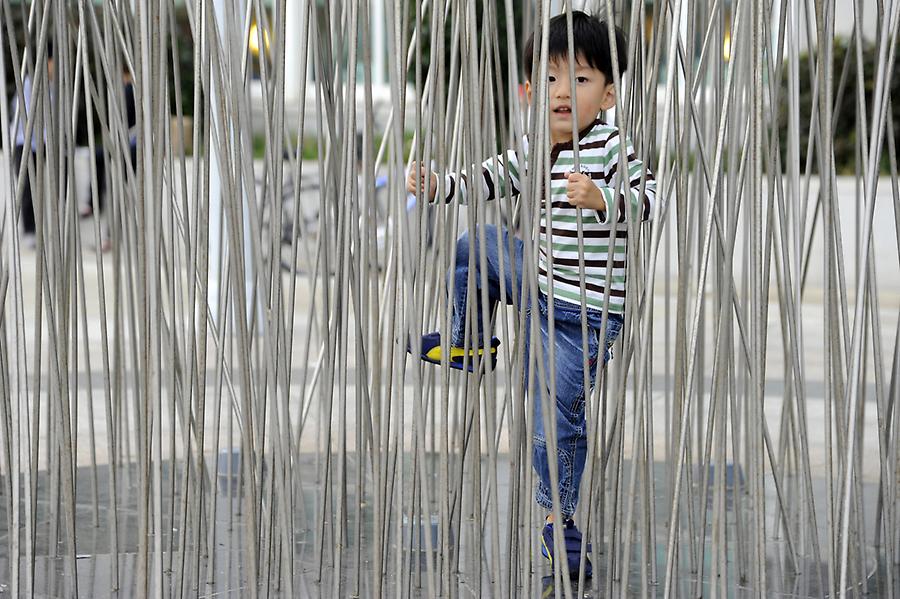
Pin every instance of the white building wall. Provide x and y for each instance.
(293, 52)
(843, 18)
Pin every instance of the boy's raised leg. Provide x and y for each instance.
(501, 268)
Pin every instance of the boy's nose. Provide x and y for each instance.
(562, 90)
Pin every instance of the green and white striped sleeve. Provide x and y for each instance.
(499, 175)
(630, 205)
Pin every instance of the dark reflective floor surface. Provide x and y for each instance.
(226, 573)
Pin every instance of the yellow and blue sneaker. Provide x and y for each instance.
(572, 544)
(431, 352)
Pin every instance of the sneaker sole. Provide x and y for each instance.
(458, 355)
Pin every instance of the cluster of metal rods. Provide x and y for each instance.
(191, 354)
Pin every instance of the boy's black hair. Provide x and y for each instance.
(591, 40)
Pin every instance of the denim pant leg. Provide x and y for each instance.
(497, 246)
(571, 426)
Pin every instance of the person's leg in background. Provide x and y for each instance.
(27, 217)
(100, 165)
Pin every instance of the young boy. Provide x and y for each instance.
(591, 191)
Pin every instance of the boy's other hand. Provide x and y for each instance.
(412, 183)
(582, 193)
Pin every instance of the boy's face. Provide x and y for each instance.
(591, 94)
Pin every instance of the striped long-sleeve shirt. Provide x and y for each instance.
(599, 156)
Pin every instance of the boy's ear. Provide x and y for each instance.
(609, 97)
(528, 91)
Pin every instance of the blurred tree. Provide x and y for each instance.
(846, 133)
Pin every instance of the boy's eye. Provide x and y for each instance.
(552, 78)
(581, 79)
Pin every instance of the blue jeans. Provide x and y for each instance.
(571, 427)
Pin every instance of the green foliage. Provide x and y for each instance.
(308, 151)
(181, 44)
(310, 148)
(846, 131)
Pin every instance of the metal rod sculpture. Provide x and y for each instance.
(224, 401)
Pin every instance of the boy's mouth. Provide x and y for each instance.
(562, 110)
